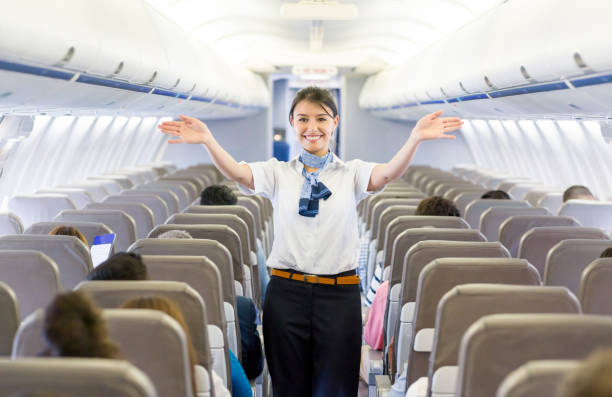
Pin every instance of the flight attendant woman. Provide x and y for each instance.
(312, 311)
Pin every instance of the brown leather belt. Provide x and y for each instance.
(314, 279)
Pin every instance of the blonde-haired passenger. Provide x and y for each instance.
(593, 378)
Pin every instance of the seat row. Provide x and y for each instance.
(406, 258)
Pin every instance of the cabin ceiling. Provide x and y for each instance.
(386, 33)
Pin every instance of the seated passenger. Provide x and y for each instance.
(68, 231)
(496, 194)
(436, 206)
(170, 308)
(218, 195)
(73, 327)
(593, 378)
(607, 253)
(121, 266)
(223, 195)
(578, 192)
(170, 234)
(252, 352)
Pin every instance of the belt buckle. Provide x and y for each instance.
(311, 278)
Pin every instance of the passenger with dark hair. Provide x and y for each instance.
(121, 266)
(73, 327)
(437, 206)
(313, 352)
(68, 231)
(578, 192)
(607, 253)
(218, 195)
(593, 378)
(496, 194)
(167, 306)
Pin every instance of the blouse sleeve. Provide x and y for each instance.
(363, 171)
(264, 178)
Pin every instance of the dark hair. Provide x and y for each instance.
(437, 206)
(607, 253)
(68, 231)
(577, 192)
(496, 194)
(73, 327)
(121, 266)
(169, 307)
(320, 96)
(218, 195)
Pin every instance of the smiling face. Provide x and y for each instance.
(314, 125)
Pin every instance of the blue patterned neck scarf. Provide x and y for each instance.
(313, 190)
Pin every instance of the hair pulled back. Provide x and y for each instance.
(320, 96)
(68, 231)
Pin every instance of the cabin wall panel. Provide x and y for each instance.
(370, 138)
(246, 139)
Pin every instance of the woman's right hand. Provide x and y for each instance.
(189, 130)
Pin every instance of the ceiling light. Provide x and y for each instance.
(319, 10)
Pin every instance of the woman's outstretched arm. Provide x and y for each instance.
(431, 126)
(192, 130)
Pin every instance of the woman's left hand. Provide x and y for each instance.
(432, 126)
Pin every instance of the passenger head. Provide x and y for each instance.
(218, 195)
(170, 234)
(314, 117)
(167, 306)
(577, 192)
(437, 206)
(68, 231)
(607, 253)
(121, 266)
(496, 194)
(73, 327)
(593, 378)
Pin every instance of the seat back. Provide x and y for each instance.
(440, 276)
(96, 190)
(33, 277)
(167, 196)
(221, 233)
(442, 188)
(382, 205)
(536, 378)
(512, 229)
(492, 219)
(452, 193)
(39, 207)
(589, 213)
(465, 198)
(551, 201)
(410, 237)
(238, 210)
(114, 183)
(536, 243)
(253, 207)
(112, 294)
(69, 253)
(386, 217)
(233, 221)
(179, 191)
(9, 312)
(463, 305)
(119, 222)
(142, 215)
(89, 229)
(402, 223)
(188, 183)
(74, 377)
(405, 194)
(489, 352)
(477, 207)
(534, 196)
(213, 250)
(567, 260)
(10, 223)
(158, 207)
(79, 196)
(595, 292)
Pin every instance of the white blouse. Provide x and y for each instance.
(327, 243)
